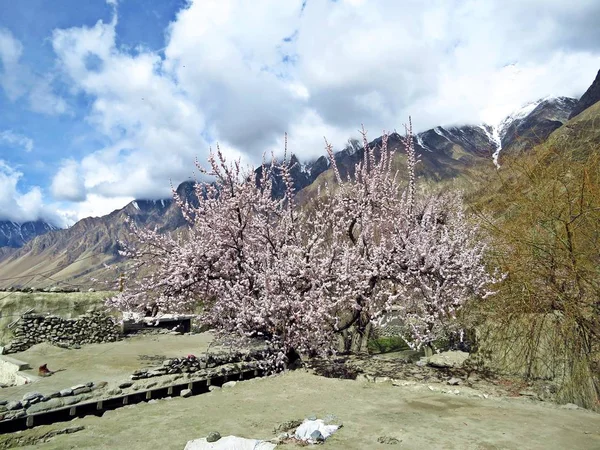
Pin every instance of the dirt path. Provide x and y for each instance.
(418, 417)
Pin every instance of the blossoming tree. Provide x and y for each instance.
(297, 276)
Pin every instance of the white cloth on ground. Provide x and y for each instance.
(305, 430)
(229, 443)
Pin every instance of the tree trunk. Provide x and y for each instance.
(428, 350)
(359, 338)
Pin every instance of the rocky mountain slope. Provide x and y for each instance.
(589, 98)
(89, 250)
(15, 235)
(534, 123)
(450, 152)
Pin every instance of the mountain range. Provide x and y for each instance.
(38, 254)
(15, 235)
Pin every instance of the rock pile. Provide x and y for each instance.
(229, 362)
(29, 290)
(92, 327)
(35, 402)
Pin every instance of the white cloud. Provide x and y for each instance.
(243, 73)
(19, 206)
(18, 80)
(10, 53)
(68, 184)
(16, 140)
(43, 100)
(93, 206)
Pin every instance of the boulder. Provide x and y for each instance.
(448, 360)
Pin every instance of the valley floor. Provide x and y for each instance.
(418, 417)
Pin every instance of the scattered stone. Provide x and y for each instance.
(213, 436)
(214, 388)
(66, 392)
(125, 385)
(114, 391)
(229, 384)
(388, 440)
(77, 386)
(32, 397)
(186, 393)
(3, 402)
(91, 384)
(454, 381)
(11, 406)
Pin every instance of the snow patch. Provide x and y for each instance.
(494, 137)
(440, 131)
(421, 143)
(519, 114)
(306, 168)
(135, 205)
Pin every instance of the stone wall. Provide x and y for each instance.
(89, 328)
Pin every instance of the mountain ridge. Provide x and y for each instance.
(89, 248)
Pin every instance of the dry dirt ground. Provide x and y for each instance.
(418, 417)
(111, 362)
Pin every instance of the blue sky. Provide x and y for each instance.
(104, 101)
